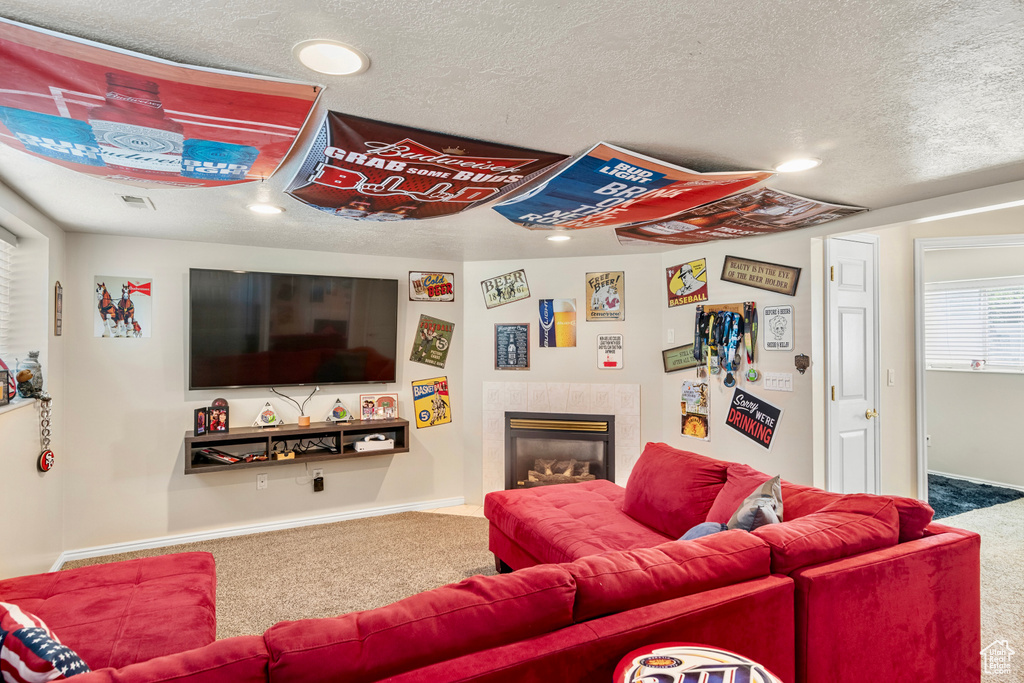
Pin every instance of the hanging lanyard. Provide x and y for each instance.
(751, 340)
(732, 347)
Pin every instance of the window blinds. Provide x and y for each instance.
(975, 320)
(6, 251)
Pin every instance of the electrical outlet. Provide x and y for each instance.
(318, 484)
(671, 336)
(891, 378)
(261, 482)
(318, 473)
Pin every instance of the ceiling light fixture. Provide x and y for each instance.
(559, 238)
(794, 165)
(265, 208)
(331, 57)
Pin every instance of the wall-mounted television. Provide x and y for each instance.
(274, 329)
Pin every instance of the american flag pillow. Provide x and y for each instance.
(30, 653)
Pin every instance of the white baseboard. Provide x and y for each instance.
(977, 481)
(163, 541)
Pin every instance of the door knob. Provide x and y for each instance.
(870, 413)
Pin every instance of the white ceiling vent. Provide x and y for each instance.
(133, 202)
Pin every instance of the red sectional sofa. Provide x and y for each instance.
(880, 592)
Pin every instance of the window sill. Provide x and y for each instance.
(15, 404)
(986, 371)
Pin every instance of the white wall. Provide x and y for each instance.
(556, 279)
(132, 407)
(33, 538)
(792, 450)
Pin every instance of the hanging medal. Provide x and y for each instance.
(751, 339)
(46, 458)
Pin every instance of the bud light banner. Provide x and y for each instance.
(613, 187)
(142, 121)
(368, 170)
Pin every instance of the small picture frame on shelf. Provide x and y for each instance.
(218, 419)
(201, 421)
(378, 406)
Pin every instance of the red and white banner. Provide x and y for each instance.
(369, 170)
(139, 120)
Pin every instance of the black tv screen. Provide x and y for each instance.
(272, 329)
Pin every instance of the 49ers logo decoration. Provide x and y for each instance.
(362, 169)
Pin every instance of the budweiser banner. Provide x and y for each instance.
(754, 212)
(368, 170)
(139, 120)
(612, 187)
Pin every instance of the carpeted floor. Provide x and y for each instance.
(949, 496)
(331, 569)
(1002, 586)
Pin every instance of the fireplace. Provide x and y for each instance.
(558, 448)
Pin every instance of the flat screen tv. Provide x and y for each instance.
(275, 329)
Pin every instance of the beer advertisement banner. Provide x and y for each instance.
(687, 283)
(433, 339)
(512, 346)
(431, 286)
(754, 418)
(139, 120)
(606, 294)
(431, 402)
(755, 212)
(609, 186)
(505, 289)
(696, 409)
(369, 170)
(124, 307)
(557, 323)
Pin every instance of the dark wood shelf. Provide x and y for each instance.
(242, 440)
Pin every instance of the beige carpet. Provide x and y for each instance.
(1002, 586)
(331, 569)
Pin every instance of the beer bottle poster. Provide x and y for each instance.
(431, 286)
(367, 170)
(137, 120)
(687, 283)
(557, 323)
(754, 418)
(504, 289)
(696, 408)
(431, 402)
(606, 296)
(512, 346)
(433, 339)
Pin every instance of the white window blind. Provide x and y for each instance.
(6, 251)
(975, 320)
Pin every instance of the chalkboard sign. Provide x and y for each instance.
(512, 346)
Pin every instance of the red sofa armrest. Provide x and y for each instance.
(242, 659)
(911, 612)
(854, 524)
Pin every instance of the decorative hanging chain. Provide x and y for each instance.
(46, 459)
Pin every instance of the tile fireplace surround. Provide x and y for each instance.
(620, 400)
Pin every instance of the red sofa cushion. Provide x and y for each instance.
(915, 515)
(475, 614)
(740, 481)
(242, 659)
(856, 523)
(619, 581)
(565, 522)
(671, 490)
(124, 612)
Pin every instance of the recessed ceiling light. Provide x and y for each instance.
(265, 208)
(794, 165)
(559, 238)
(331, 57)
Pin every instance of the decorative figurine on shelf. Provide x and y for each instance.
(339, 413)
(267, 417)
(303, 418)
(30, 376)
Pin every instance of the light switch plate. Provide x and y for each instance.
(778, 381)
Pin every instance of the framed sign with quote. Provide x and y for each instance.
(769, 276)
(678, 358)
(512, 346)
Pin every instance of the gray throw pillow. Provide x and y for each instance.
(763, 506)
(703, 529)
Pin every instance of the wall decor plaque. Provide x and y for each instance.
(769, 276)
(606, 296)
(512, 346)
(433, 339)
(609, 351)
(754, 418)
(504, 289)
(431, 402)
(777, 328)
(679, 358)
(431, 286)
(687, 283)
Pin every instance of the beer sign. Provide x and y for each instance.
(431, 286)
(754, 418)
(505, 289)
(557, 323)
(606, 296)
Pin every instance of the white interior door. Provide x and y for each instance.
(852, 462)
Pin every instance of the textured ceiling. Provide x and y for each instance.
(904, 100)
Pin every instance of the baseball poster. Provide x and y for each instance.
(687, 283)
